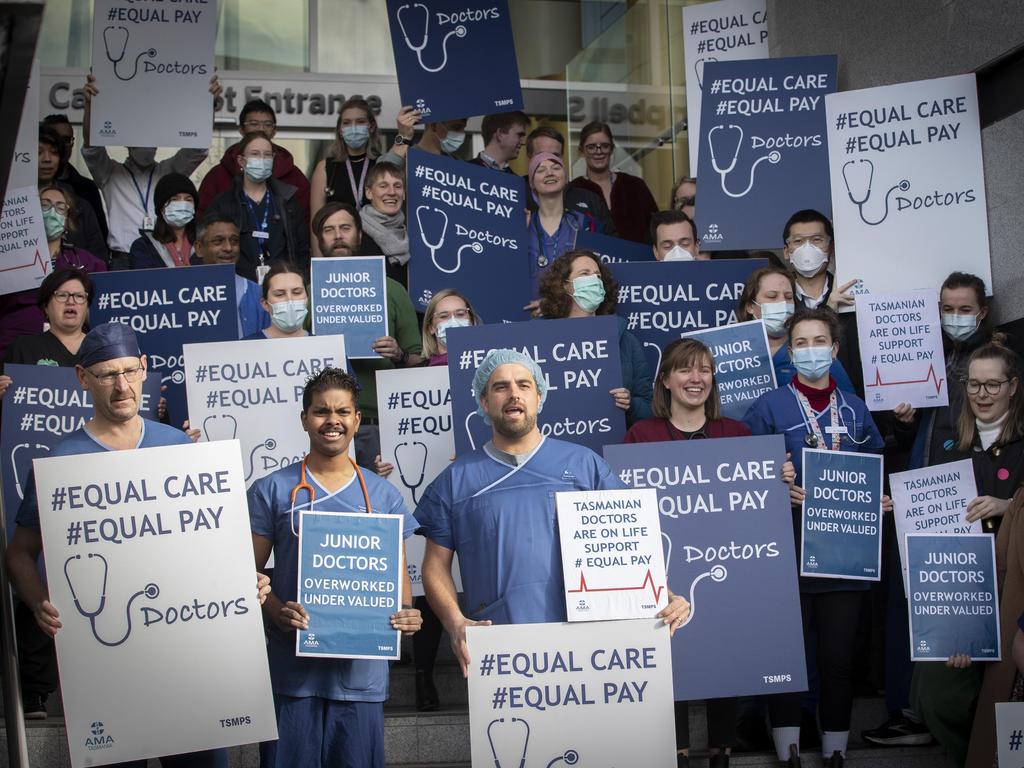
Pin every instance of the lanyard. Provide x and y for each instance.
(811, 420)
(261, 230)
(143, 199)
(357, 189)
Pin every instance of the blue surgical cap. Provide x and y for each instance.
(499, 357)
(108, 341)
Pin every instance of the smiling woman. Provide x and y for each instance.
(384, 230)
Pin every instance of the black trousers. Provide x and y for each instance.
(721, 723)
(426, 642)
(37, 656)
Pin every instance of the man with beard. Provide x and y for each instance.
(495, 508)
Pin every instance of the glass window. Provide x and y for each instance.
(353, 37)
(268, 37)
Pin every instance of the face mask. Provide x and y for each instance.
(178, 213)
(142, 156)
(807, 259)
(259, 168)
(453, 141)
(452, 322)
(957, 327)
(775, 314)
(812, 362)
(54, 224)
(678, 253)
(288, 316)
(588, 292)
(356, 136)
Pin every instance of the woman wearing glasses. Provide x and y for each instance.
(629, 200)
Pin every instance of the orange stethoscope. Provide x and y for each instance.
(304, 485)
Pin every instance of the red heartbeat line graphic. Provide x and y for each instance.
(931, 376)
(649, 579)
(37, 260)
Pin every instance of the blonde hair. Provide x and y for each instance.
(339, 150)
(430, 347)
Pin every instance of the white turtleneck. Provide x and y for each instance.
(988, 433)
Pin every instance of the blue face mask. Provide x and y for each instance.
(775, 314)
(259, 168)
(453, 141)
(959, 327)
(588, 292)
(452, 322)
(288, 316)
(355, 136)
(812, 362)
(178, 213)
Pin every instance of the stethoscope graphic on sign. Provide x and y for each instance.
(40, 448)
(217, 433)
(98, 564)
(268, 445)
(459, 31)
(410, 457)
(717, 573)
(772, 157)
(434, 247)
(698, 68)
(115, 41)
(569, 757)
(855, 178)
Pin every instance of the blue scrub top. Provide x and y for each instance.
(501, 522)
(269, 516)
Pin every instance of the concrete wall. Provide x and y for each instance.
(880, 42)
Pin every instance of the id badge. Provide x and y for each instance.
(261, 235)
(147, 223)
(261, 272)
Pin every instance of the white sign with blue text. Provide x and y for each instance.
(149, 561)
(1010, 733)
(350, 299)
(571, 694)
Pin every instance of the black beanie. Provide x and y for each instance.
(170, 185)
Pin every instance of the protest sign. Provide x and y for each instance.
(762, 148)
(350, 299)
(252, 391)
(932, 500)
(901, 350)
(580, 360)
(663, 301)
(554, 694)
(350, 584)
(612, 562)
(43, 405)
(952, 596)
(743, 364)
(147, 59)
(612, 250)
(1010, 733)
(841, 515)
(189, 306)
(145, 640)
(908, 184)
(454, 61)
(467, 231)
(728, 533)
(721, 31)
(415, 422)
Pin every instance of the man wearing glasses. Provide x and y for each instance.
(256, 116)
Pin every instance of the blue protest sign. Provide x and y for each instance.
(454, 60)
(580, 360)
(763, 150)
(168, 308)
(41, 406)
(663, 301)
(350, 298)
(842, 515)
(467, 230)
(728, 533)
(350, 584)
(612, 250)
(952, 596)
(743, 364)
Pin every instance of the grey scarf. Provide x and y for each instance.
(388, 232)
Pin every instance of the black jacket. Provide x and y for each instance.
(86, 189)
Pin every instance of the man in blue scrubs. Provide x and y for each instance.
(330, 712)
(495, 508)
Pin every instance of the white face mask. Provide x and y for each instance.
(452, 322)
(678, 253)
(808, 259)
(959, 327)
(775, 314)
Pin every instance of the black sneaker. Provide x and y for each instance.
(34, 706)
(898, 731)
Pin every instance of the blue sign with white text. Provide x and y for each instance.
(580, 360)
(350, 298)
(952, 597)
(662, 301)
(467, 230)
(727, 530)
(43, 404)
(763, 148)
(455, 59)
(743, 364)
(612, 250)
(842, 515)
(168, 308)
(350, 584)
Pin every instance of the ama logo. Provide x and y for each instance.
(712, 235)
(98, 737)
(108, 129)
(923, 647)
(812, 562)
(311, 641)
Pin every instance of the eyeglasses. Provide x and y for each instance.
(816, 240)
(75, 298)
(259, 125)
(594, 149)
(461, 314)
(682, 202)
(131, 375)
(61, 208)
(992, 387)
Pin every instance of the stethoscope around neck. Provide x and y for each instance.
(811, 440)
(772, 157)
(150, 591)
(459, 31)
(304, 485)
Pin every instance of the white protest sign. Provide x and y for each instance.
(721, 31)
(153, 64)
(252, 391)
(415, 422)
(908, 185)
(149, 561)
(901, 350)
(932, 500)
(613, 563)
(571, 694)
(1010, 734)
